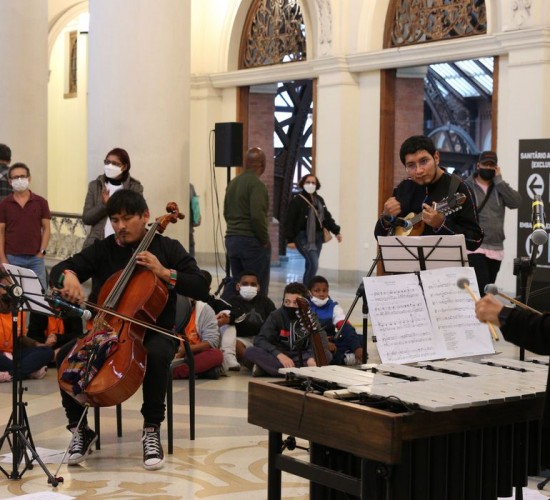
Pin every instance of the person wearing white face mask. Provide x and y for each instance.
(24, 224)
(347, 349)
(306, 218)
(116, 175)
(249, 310)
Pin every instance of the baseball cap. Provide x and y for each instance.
(488, 157)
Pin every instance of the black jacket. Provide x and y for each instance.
(298, 213)
(532, 332)
(104, 257)
(412, 195)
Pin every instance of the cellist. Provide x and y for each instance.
(169, 261)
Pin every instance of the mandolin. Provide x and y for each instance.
(446, 206)
(309, 322)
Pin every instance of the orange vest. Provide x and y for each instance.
(6, 330)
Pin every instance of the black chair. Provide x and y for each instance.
(183, 313)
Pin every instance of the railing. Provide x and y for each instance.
(68, 235)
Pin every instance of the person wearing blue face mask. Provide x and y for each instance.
(306, 219)
(116, 175)
(239, 326)
(492, 196)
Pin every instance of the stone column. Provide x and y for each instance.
(24, 85)
(336, 165)
(139, 96)
(523, 104)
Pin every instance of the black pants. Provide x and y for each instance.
(486, 270)
(160, 353)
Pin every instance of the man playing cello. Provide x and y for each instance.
(172, 265)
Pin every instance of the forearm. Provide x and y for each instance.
(46, 232)
(528, 330)
(3, 259)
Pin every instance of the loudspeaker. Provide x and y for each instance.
(229, 144)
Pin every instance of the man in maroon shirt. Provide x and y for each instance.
(24, 224)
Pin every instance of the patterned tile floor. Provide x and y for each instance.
(228, 459)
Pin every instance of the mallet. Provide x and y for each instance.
(464, 284)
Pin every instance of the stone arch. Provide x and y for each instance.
(58, 22)
(318, 32)
(456, 19)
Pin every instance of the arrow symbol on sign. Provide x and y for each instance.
(535, 185)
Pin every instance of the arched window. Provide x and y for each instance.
(274, 33)
(417, 21)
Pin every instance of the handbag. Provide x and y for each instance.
(327, 235)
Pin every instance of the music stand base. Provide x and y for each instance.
(20, 442)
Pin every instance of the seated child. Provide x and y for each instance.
(249, 310)
(332, 316)
(204, 338)
(34, 356)
(281, 341)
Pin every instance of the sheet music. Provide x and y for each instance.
(452, 311)
(413, 325)
(400, 319)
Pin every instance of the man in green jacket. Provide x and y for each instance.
(245, 210)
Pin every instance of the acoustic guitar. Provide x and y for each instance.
(446, 206)
(309, 322)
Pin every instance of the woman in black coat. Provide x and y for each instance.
(306, 217)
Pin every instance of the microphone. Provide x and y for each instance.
(493, 290)
(397, 222)
(539, 236)
(66, 307)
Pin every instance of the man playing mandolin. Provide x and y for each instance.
(437, 202)
(163, 260)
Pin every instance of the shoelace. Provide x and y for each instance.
(78, 441)
(151, 443)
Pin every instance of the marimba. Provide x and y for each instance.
(440, 430)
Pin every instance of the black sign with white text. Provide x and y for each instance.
(534, 179)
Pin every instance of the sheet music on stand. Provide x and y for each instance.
(423, 315)
(29, 282)
(407, 254)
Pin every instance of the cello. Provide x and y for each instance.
(107, 365)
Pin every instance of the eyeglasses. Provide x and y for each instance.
(423, 163)
(113, 162)
(15, 177)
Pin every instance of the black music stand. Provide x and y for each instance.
(409, 254)
(25, 293)
(360, 293)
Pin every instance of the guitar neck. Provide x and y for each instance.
(313, 329)
(416, 219)
(318, 349)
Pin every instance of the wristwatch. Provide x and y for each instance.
(43, 252)
(504, 315)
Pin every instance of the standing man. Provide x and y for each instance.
(24, 225)
(171, 264)
(492, 196)
(5, 160)
(429, 183)
(245, 210)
